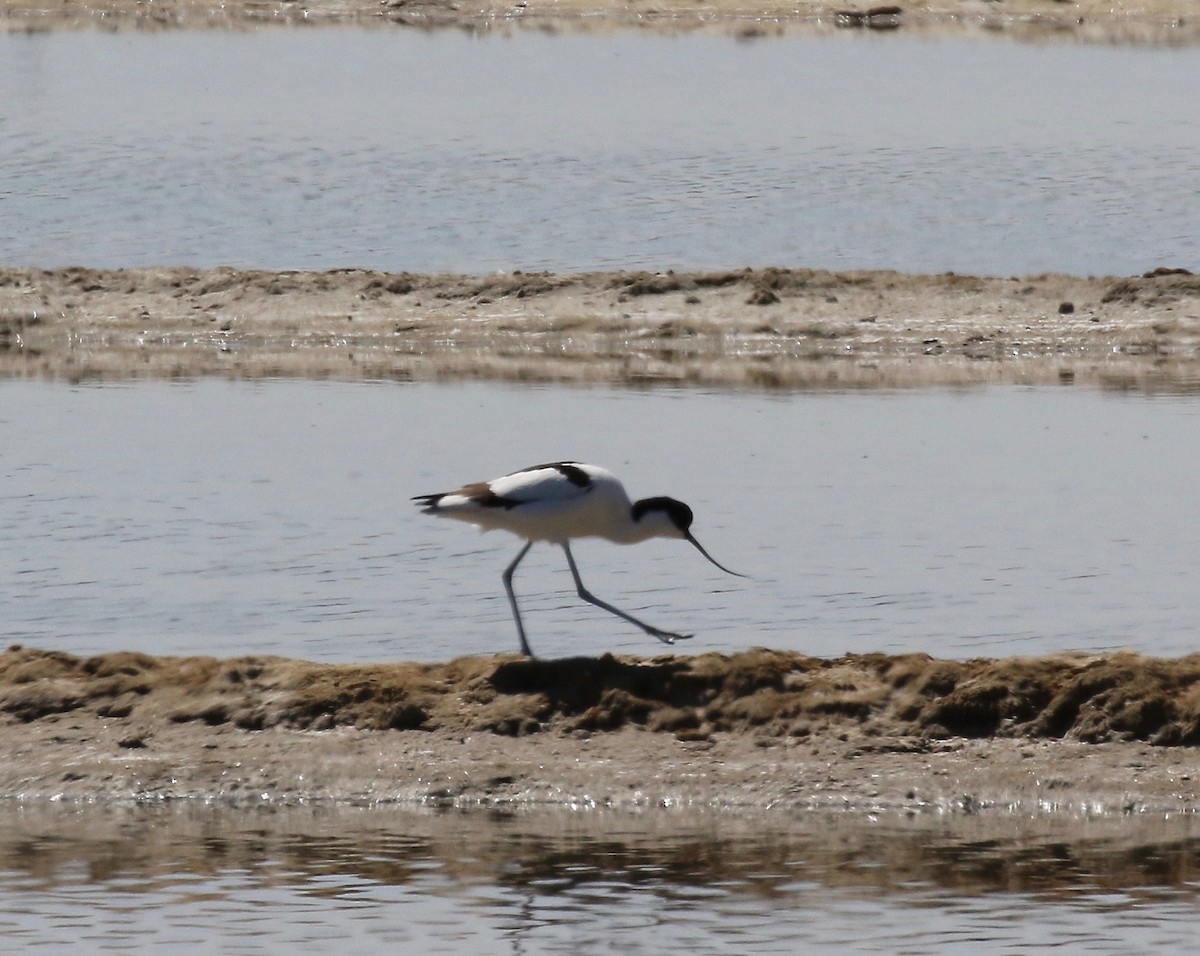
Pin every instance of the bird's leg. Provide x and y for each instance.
(667, 637)
(512, 598)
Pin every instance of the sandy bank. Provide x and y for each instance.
(1062, 734)
(756, 328)
(1102, 21)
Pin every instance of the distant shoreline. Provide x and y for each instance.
(1146, 22)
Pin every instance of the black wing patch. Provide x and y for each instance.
(568, 469)
(428, 503)
(481, 493)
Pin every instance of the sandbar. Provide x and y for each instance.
(746, 328)
(1067, 735)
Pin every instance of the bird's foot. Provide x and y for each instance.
(667, 637)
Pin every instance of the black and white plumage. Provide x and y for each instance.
(560, 501)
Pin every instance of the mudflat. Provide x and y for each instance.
(741, 328)
(1075, 735)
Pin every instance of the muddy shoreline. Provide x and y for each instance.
(739, 328)
(1075, 735)
(1142, 22)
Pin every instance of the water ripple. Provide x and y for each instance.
(480, 169)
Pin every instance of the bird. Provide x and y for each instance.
(558, 502)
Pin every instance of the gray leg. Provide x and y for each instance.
(512, 598)
(667, 637)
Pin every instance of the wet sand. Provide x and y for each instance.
(1074, 735)
(742, 328)
(1096, 21)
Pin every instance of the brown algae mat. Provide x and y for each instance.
(1079, 733)
(743, 328)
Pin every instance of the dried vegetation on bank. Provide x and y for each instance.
(1091, 698)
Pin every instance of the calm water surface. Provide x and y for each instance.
(229, 518)
(430, 151)
(216, 880)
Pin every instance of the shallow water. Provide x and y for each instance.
(216, 880)
(407, 150)
(227, 518)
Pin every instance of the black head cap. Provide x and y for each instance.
(679, 513)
